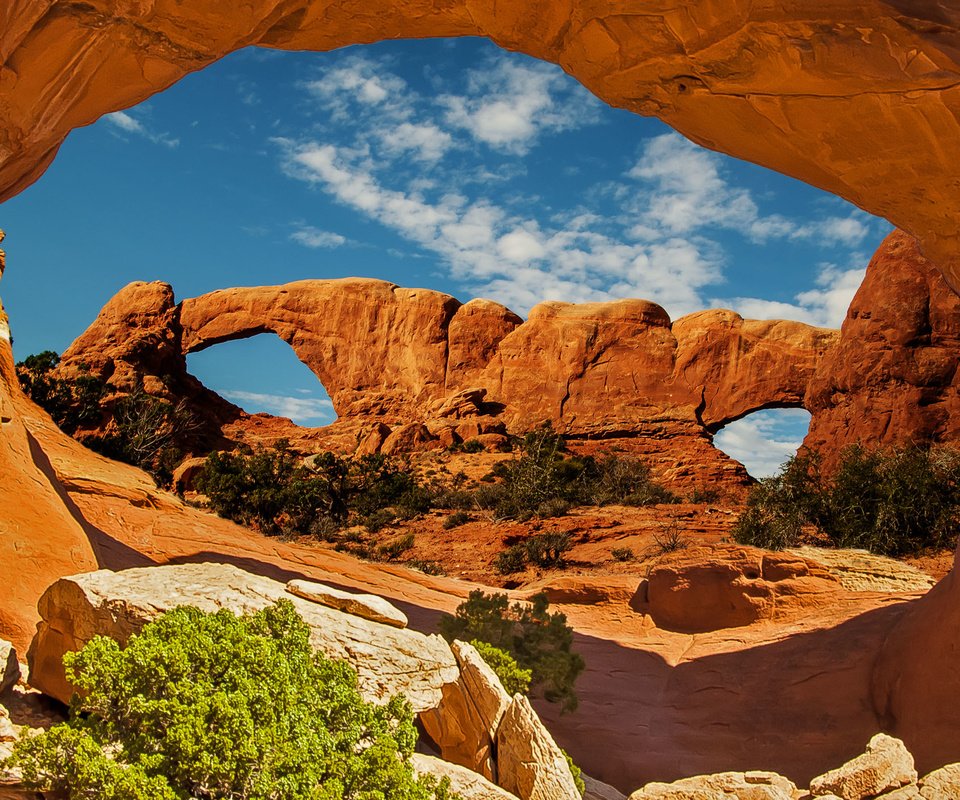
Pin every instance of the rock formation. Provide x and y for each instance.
(696, 590)
(857, 97)
(388, 660)
(885, 766)
(41, 538)
(894, 376)
(415, 369)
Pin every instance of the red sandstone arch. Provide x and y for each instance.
(858, 97)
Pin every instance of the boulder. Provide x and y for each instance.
(9, 666)
(722, 786)
(886, 765)
(464, 725)
(368, 606)
(941, 784)
(73, 610)
(464, 782)
(529, 762)
(698, 589)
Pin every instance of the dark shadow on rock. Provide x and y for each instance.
(109, 552)
(798, 706)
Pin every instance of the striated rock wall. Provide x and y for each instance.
(894, 376)
(858, 97)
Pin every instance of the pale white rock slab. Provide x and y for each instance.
(73, 610)
(368, 606)
(463, 781)
(529, 762)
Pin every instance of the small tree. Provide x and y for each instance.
(536, 639)
(214, 707)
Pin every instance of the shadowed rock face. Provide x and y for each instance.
(858, 97)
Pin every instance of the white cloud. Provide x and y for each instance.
(426, 141)
(408, 167)
(688, 192)
(825, 306)
(312, 237)
(508, 105)
(302, 410)
(764, 440)
(511, 258)
(129, 124)
(361, 80)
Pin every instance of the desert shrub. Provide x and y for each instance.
(511, 560)
(554, 507)
(146, 432)
(514, 678)
(273, 491)
(455, 498)
(72, 403)
(392, 550)
(219, 707)
(472, 446)
(670, 537)
(536, 639)
(377, 520)
(704, 495)
(622, 554)
(576, 773)
(427, 567)
(138, 428)
(889, 501)
(455, 520)
(544, 480)
(547, 549)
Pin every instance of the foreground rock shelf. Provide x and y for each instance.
(493, 747)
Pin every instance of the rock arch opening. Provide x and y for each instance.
(763, 440)
(262, 374)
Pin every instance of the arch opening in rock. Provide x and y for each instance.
(763, 440)
(262, 374)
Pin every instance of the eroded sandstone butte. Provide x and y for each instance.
(858, 97)
(412, 368)
(894, 376)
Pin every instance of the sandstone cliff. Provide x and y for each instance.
(894, 376)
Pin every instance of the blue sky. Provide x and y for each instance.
(447, 164)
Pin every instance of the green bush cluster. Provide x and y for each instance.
(545, 550)
(888, 501)
(275, 492)
(544, 480)
(214, 707)
(515, 679)
(536, 639)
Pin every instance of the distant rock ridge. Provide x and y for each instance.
(411, 369)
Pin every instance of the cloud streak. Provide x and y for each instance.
(126, 123)
(302, 410)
